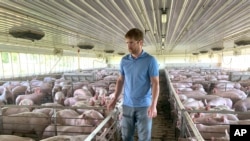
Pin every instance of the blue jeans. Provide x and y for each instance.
(136, 117)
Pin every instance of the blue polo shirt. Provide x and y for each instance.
(137, 84)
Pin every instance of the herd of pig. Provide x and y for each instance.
(24, 111)
(222, 101)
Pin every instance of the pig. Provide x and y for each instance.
(112, 87)
(242, 105)
(79, 85)
(216, 115)
(212, 128)
(220, 101)
(26, 102)
(69, 101)
(59, 98)
(25, 122)
(71, 117)
(48, 111)
(66, 138)
(234, 94)
(46, 88)
(66, 117)
(57, 138)
(93, 117)
(14, 138)
(239, 122)
(187, 139)
(193, 104)
(82, 93)
(13, 110)
(53, 130)
(5, 95)
(35, 97)
(225, 138)
(67, 90)
(182, 97)
(19, 90)
(55, 89)
(51, 105)
(209, 120)
(81, 104)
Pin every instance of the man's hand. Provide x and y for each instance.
(152, 111)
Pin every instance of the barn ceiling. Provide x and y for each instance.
(191, 25)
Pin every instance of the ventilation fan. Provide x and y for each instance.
(85, 46)
(58, 51)
(242, 42)
(195, 53)
(217, 48)
(26, 32)
(121, 53)
(109, 51)
(203, 51)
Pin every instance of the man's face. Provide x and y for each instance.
(134, 47)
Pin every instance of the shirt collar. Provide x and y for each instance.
(141, 55)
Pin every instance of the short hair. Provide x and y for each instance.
(134, 33)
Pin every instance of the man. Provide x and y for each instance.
(139, 76)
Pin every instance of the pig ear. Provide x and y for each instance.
(197, 115)
(215, 90)
(223, 119)
(208, 107)
(83, 116)
(37, 90)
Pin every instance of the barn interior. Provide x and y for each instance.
(195, 42)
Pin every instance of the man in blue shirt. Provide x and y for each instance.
(139, 78)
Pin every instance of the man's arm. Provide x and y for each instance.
(155, 94)
(118, 90)
(155, 90)
(119, 86)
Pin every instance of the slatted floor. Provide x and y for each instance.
(163, 128)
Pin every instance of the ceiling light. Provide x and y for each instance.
(164, 17)
(163, 39)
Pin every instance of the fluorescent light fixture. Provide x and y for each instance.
(164, 17)
(163, 39)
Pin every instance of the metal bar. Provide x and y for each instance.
(101, 125)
